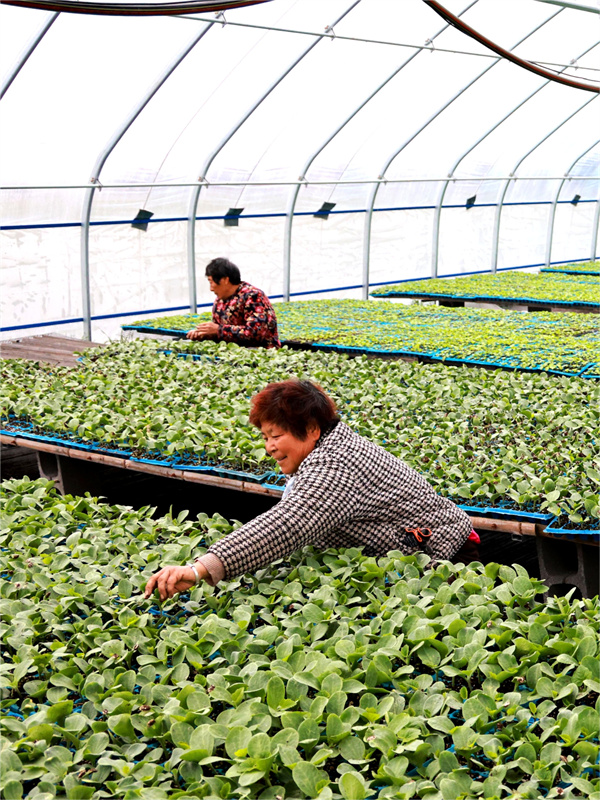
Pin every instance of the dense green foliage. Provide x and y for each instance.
(580, 267)
(561, 341)
(480, 436)
(332, 675)
(557, 289)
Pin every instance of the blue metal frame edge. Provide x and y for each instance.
(99, 223)
(278, 296)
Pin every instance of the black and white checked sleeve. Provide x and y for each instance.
(322, 502)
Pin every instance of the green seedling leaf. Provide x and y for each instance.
(307, 778)
(352, 786)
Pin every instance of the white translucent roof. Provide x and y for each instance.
(338, 93)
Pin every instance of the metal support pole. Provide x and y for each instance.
(27, 52)
(567, 176)
(595, 224)
(390, 159)
(440, 203)
(289, 214)
(245, 184)
(498, 215)
(95, 182)
(206, 166)
(367, 244)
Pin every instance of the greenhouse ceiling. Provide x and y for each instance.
(322, 146)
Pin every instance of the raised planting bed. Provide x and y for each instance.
(329, 676)
(485, 438)
(559, 343)
(579, 268)
(577, 291)
(188, 461)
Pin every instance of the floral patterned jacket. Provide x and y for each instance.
(246, 318)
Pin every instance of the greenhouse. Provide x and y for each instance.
(299, 406)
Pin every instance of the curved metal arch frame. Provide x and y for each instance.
(500, 204)
(507, 54)
(390, 159)
(567, 176)
(438, 209)
(595, 225)
(97, 169)
(289, 214)
(28, 51)
(102, 158)
(207, 163)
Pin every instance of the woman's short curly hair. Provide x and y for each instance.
(294, 406)
(220, 268)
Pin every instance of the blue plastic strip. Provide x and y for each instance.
(168, 461)
(101, 316)
(211, 470)
(98, 223)
(491, 298)
(452, 361)
(569, 271)
(148, 329)
(573, 534)
(433, 356)
(41, 324)
(589, 372)
(505, 513)
(71, 444)
(271, 479)
(277, 296)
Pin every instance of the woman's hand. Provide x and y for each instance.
(171, 580)
(204, 329)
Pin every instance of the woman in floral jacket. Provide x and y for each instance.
(343, 491)
(241, 313)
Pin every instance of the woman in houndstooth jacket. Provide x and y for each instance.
(344, 491)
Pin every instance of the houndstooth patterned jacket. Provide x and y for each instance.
(348, 492)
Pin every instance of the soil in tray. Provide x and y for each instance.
(69, 439)
(564, 523)
(188, 459)
(178, 460)
(496, 505)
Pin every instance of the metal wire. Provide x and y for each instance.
(521, 62)
(357, 182)
(363, 40)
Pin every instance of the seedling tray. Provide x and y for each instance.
(488, 298)
(591, 372)
(170, 462)
(573, 534)
(569, 271)
(187, 662)
(495, 512)
(436, 356)
(150, 329)
(71, 444)
(556, 344)
(275, 480)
